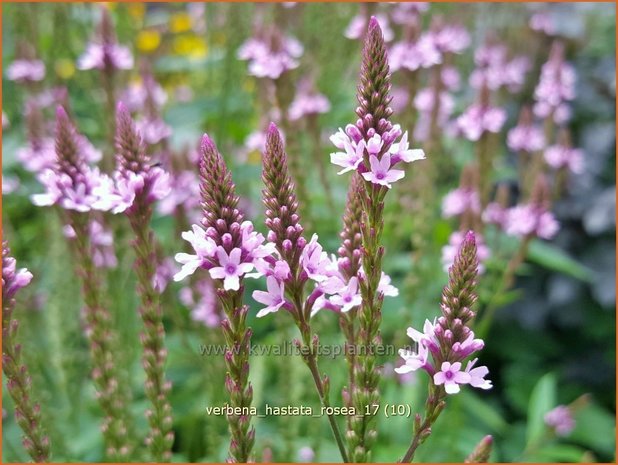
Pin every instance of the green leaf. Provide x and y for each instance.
(559, 453)
(595, 428)
(484, 412)
(542, 400)
(553, 258)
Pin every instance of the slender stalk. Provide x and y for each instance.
(100, 336)
(18, 381)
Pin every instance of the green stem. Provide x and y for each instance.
(161, 436)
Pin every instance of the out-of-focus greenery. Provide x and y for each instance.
(552, 340)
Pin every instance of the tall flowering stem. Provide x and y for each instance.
(286, 233)
(112, 396)
(372, 147)
(373, 97)
(449, 341)
(224, 223)
(27, 411)
(133, 169)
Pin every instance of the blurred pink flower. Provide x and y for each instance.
(561, 420)
(459, 201)
(541, 21)
(556, 87)
(562, 156)
(103, 56)
(204, 309)
(529, 219)
(267, 61)
(26, 71)
(477, 119)
(525, 138)
(358, 25)
(308, 103)
(153, 130)
(449, 251)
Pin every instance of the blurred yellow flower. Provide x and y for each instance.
(148, 40)
(111, 6)
(180, 22)
(254, 157)
(248, 85)
(190, 45)
(136, 10)
(64, 68)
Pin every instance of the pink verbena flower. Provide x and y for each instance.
(495, 70)
(556, 87)
(530, 219)
(381, 172)
(450, 38)
(414, 55)
(315, 261)
(105, 56)
(526, 138)
(478, 119)
(562, 156)
(12, 279)
(26, 71)
(459, 201)
(153, 130)
(413, 361)
(477, 375)
(204, 248)
(230, 268)
(274, 298)
(348, 297)
(495, 213)
(560, 419)
(270, 59)
(451, 376)
(307, 102)
(541, 21)
(202, 300)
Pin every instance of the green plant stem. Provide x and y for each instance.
(160, 437)
(100, 334)
(366, 391)
(27, 411)
(238, 340)
(310, 357)
(422, 428)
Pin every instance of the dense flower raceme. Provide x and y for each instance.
(444, 344)
(271, 58)
(382, 151)
(556, 87)
(83, 188)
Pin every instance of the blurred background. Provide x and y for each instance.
(186, 69)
